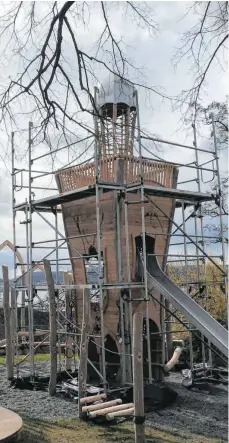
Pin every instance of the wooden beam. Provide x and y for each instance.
(13, 315)
(102, 405)
(92, 398)
(138, 377)
(82, 373)
(6, 306)
(124, 413)
(106, 411)
(53, 332)
(68, 349)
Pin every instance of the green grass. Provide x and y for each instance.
(37, 357)
(76, 431)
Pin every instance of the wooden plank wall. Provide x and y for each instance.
(80, 218)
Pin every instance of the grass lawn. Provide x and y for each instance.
(38, 358)
(75, 431)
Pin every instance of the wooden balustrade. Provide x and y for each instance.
(157, 173)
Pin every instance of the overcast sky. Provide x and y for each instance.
(154, 55)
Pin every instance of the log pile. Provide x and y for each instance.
(96, 406)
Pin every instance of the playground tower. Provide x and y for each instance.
(118, 221)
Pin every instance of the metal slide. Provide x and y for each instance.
(198, 317)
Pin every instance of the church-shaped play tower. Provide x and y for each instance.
(111, 224)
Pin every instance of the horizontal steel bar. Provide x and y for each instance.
(171, 332)
(183, 165)
(171, 192)
(88, 286)
(182, 255)
(35, 172)
(187, 181)
(203, 283)
(35, 187)
(167, 142)
(178, 261)
(136, 202)
(65, 238)
(41, 247)
(60, 149)
(69, 258)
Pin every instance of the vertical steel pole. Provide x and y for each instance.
(30, 288)
(186, 280)
(13, 202)
(128, 305)
(14, 312)
(8, 335)
(57, 282)
(216, 155)
(198, 279)
(118, 261)
(99, 247)
(144, 241)
(203, 246)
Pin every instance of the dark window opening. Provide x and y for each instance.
(92, 273)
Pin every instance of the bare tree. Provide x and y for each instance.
(205, 44)
(56, 67)
(220, 112)
(212, 209)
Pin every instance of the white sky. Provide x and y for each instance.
(154, 56)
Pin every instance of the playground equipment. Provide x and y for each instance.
(112, 206)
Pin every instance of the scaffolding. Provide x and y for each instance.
(191, 200)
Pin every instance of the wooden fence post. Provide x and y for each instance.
(82, 373)
(138, 390)
(6, 305)
(53, 332)
(13, 321)
(68, 343)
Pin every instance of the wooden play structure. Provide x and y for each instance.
(118, 212)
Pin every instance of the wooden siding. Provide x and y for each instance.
(80, 218)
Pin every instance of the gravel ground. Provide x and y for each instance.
(200, 412)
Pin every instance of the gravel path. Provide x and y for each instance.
(200, 412)
(197, 412)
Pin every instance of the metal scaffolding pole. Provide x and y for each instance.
(30, 260)
(144, 241)
(203, 244)
(128, 306)
(98, 229)
(216, 155)
(58, 295)
(186, 284)
(119, 275)
(14, 311)
(198, 279)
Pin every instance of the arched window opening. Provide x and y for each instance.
(92, 273)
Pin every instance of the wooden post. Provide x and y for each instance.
(68, 348)
(6, 296)
(13, 321)
(138, 378)
(68, 343)
(53, 333)
(82, 374)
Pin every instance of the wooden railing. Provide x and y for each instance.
(154, 173)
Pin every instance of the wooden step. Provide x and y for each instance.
(123, 413)
(92, 398)
(106, 411)
(101, 405)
